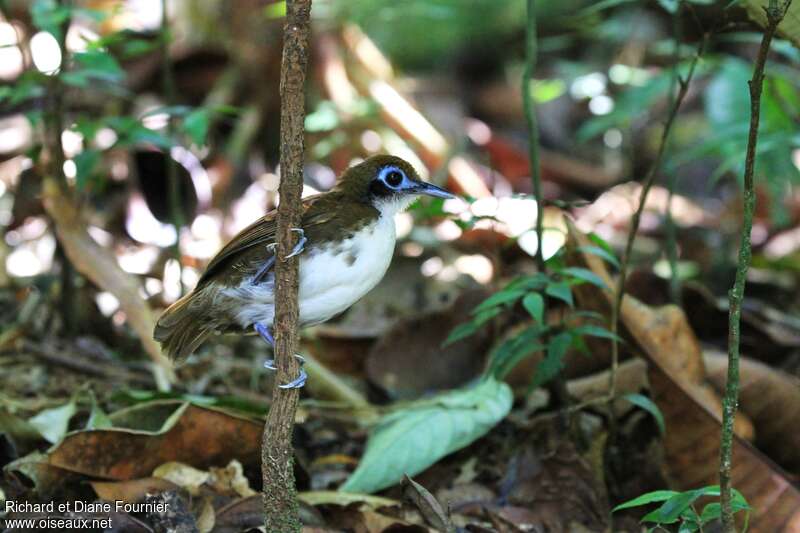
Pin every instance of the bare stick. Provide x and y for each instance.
(729, 404)
(683, 87)
(280, 501)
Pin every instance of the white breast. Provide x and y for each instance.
(332, 278)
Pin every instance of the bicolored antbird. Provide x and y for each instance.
(346, 245)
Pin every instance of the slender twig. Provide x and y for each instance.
(683, 87)
(558, 386)
(730, 402)
(533, 127)
(168, 89)
(672, 238)
(280, 502)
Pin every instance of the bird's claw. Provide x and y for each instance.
(300, 246)
(269, 364)
(263, 332)
(297, 383)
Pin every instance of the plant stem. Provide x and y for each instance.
(683, 87)
(533, 127)
(173, 184)
(281, 508)
(731, 399)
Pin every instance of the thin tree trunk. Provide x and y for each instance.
(280, 500)
(731, 401)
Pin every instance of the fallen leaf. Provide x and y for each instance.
(770, 398)
(409, 440)
(182, 475)
(430, 508)
(131, 491)
(691, 446)
(148, 435)
(230, 480)
(663, 334)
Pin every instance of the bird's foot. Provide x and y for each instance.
(263, 332)
(269, 364)
(300, 246)
(296, 383)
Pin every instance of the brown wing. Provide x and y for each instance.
(262, 233)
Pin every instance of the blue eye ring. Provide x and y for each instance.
(392, 176)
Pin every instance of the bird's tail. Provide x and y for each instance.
(183, 327)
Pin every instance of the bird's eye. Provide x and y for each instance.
(394, 178)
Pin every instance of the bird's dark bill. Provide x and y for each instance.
(432, 190)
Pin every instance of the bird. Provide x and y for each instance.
(346, 242)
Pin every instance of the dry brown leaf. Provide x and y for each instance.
(131, 491)
(101, 267)
(194, 435)
(663, 334)
(691, 446)
(770, 398)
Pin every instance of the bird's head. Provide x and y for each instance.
(388, 183)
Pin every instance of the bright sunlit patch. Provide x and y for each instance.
(107, 303)
(46, 52)
(144, 227)
(105, 138)
(22, 262)
(371, 141)
(601, 105)
(403, 223)
(270, 181)
(783, 244)
(72, 141)
(448, 274)
(205, 227)
(431, 267)
(156, 121)
(138, 260)
(411, 249)
(140, 15)
(100, 236)
(11, 60)
(153, 286)
(612, 138)
(70, 169)
(79, 37)
(189, 276)
(172, 280)
(478, 266)
(447, 230)
(588, 86)
(15, 133)
(478, 131)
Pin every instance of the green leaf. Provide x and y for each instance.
(408, 441)
(644, 499)
(551, 365)
(534, 304)
(54, 423)
(501, 297)
(461, 331)
(601, 253)
(196, 126)
(514, 349)
(561, 291)
(98, 419)
(48, 16)
(97, 65)
(648, 405)
(591, 330)
(586, 275)
(85, 163)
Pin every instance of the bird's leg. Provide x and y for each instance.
(300, 246)
(269, 364)
(298, 249)
(262, 272)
